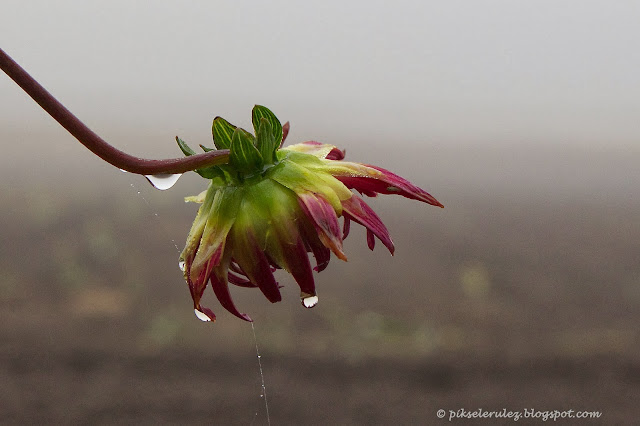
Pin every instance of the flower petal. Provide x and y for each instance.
(325, 220)
(371, 241)
(221, 217)
(346, 227)
(300, 179)
(356, 209)
(336, 154)
(197, 228)
(251, 258)
(197, 287)
(284, 242)
(285, 132)
(240, 281)
(313, 244)
(297, 264)
(318, 149)
(221, 288)
(367, 179)
(196, 198)
(322, 255)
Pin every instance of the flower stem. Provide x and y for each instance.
(95, 143)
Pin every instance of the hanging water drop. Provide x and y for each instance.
(201, 316)
(310, 301)
(181, 265)
(163, 181)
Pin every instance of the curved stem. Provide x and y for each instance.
(95, 143)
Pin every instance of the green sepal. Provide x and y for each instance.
(222, 133)
(206, 149)
(263, 112)
(211, 172)
(244, 156)
(186, 150)
(265, 141)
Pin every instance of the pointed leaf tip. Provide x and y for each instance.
(222, 133)
(259, 112)
(186, 149)
(265, 141)
(244, 156)
(206, 172)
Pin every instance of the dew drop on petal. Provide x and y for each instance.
(310, 302)
(201, 316)
(181, 266)
(163, 181)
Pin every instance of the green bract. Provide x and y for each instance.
(248, 155)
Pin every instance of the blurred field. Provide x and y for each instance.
(519, 294)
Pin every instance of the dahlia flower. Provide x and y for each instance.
(270, 206)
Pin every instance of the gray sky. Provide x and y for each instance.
(406, 72)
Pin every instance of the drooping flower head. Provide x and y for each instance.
(271, 206)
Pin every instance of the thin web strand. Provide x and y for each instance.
(255, 339)
(264, 388)
(151, 209)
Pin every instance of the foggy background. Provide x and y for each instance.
(524, 292)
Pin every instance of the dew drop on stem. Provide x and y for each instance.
(163, 181)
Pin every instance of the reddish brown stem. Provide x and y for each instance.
(95, 143)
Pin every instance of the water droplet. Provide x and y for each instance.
(123, 171)
(181, 265)
(310, 301)
(201, 316)
(163, 181)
